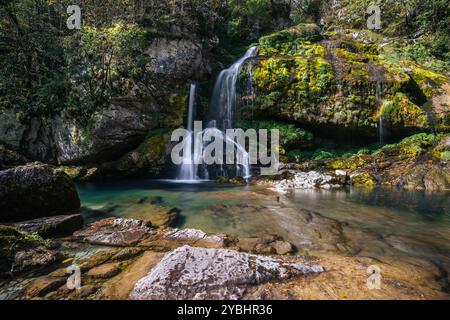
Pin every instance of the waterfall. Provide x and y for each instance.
(379, 99)
(381, 130)
(187, 168)
(222, 114)
(224, 99)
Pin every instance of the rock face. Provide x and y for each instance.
(9, 158)
(179, 59)
(341, 82)
(11, 130)
(35, 190)
(112, 132)
(53, 226)
(151, 157)
(212, 274)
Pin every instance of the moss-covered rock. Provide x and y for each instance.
(150, 158)
(13, 241)
(34, 191)
(364, 179)
(301, 77)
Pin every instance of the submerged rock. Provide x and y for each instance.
(265, 245)
(34, 191)
(105, 271)
(197, 273)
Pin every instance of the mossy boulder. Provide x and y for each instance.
(364, 179)
(36, 190)
(14, 246)
(150, 158)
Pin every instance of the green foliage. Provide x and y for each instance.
(412, 146)
(289, 134)
(331, 152)
(409, 18)
(292, 41)
(247, 16)
(103, 63)
(31, 57)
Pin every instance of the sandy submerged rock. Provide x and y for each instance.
(198, 273)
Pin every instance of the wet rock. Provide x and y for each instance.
(34, 191)
(305, 180)
(56, 226)
(265, 245)
(170, 238)
(309, 230)
(97, 259)
(185, 234)
(85, 291)
(115, 232)
(33, 259)
(197, 273)
(283, 247)
(43, 286)
(427, 176)
(105, 271)
(20, 250)
(126, 254)
(147, 210)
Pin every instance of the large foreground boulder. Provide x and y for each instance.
(34, 191)
(197, 273)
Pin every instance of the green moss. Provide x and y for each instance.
(400, 111)
(445, 156)
(13, 239)
(177, 108)
(442, 150)
(364, 180)
(291, 41)
(442, 124)
(412, 146)
(428, 81)
(350, 164)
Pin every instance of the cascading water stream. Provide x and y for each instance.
(221, 117)
(379, 98)
(187, 168)
(224, 99)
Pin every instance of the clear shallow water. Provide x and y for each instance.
(379, 222)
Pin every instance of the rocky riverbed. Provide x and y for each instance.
(131, 259)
